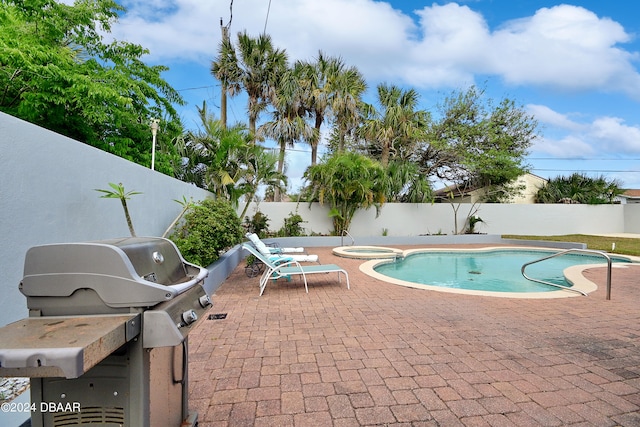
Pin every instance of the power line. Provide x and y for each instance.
(562, 159)
(586, 170)
(194, 88)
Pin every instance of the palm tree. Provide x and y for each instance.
(347, 181)
(330, 90)
(261, 66)
(261, 169)
(255, 66)
(212, 156)
(347, 103)
(579, 188)
(225, 68)
(407, 183)
(288, 124)
(397, 125)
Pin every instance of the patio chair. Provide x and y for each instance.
(274, 253)
(277, 270)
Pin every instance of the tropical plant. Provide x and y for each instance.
(212, 157)
(258, 224)
(579, 188)
(291, 226)
(209, 228)
(118, 192)
(261, 169)
(255, 65)
(473, 220)
(397, 126)
(347, 181)
(330, 91)
(224, 161)
(407, 184)
(288, 123)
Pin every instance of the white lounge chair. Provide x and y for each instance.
(275, 253)
(290, 268)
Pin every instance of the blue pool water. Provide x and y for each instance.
(494, 271)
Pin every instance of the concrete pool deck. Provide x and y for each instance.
(382, 354)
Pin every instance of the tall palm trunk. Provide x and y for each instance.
(277, 194)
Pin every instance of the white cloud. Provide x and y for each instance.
(570, 146)
(547, 116)
(602, 136)
(616, 136)
(566, 47)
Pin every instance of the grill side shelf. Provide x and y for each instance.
(62, 346)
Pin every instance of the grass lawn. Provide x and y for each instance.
(601, 243)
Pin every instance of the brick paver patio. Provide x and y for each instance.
(381, 354)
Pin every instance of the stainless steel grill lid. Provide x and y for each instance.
(128, 272)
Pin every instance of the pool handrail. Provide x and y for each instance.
(589, 251)
(353, 241)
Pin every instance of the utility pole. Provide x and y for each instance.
(223, 91)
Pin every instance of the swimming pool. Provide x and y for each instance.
(488, 271)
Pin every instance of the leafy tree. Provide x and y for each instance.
(347, 181)
(56, 71)
(476, 144)
(579, 188)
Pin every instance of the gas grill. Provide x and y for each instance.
(106, 340)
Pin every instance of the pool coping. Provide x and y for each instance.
(573, 274)
(390, 253)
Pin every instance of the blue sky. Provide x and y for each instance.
(574, 66)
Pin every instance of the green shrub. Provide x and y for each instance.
(259, 224)
(291, 227)
(209, 228)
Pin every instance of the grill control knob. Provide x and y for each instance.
(205, 301)
(189, 316)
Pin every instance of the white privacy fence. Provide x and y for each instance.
(47, 195)
(401, 219)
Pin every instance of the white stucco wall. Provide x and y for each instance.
(632, 218)
(47, 195)
(401, 219)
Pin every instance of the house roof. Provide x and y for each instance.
(463, 191)
(631, 194)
